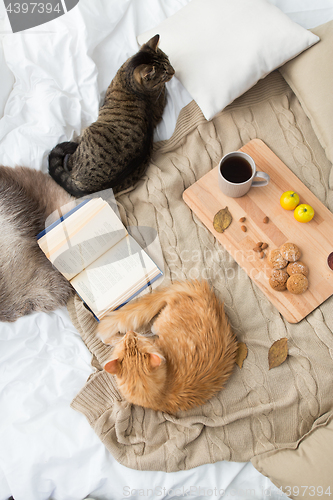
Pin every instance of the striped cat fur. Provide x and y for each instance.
(114, 151)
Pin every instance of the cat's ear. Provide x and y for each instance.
(144, 73)
(112, 366)
(148, 72)
(153, 42)
(156, 359)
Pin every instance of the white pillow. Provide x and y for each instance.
(221, 48)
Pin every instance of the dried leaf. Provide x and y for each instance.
(278, 353)
(241, 354)
(222, 220)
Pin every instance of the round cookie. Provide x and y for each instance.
(290, 252)
(297, 267)
(279, 279)
(276, 260)
(297, 283)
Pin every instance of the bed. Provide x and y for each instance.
(53, 78)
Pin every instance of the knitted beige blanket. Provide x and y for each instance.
(260, 409)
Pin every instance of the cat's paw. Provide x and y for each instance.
(109, 329)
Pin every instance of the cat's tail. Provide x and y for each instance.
(59, 168)
(141, 311)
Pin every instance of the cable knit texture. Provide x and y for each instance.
(260, 410)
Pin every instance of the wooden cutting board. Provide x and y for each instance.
(314, 238)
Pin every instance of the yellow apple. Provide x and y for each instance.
(289, 200)
(303, 213)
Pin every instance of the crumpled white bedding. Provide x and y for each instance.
(52, 80)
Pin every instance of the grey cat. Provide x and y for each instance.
(28, 282)
(114, 151)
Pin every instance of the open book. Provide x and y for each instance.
(91, 247)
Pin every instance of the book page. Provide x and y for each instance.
(82, 237)
(115, 277)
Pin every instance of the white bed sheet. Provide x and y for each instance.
(52, 80)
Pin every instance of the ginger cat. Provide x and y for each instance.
(186, 361)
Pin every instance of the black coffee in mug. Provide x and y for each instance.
(236, 169)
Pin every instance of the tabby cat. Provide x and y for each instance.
(114, 151)
(188, 359)
(28, 282)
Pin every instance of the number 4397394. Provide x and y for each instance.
(33, 7)
(309, 491)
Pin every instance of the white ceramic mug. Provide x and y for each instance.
(236, 174)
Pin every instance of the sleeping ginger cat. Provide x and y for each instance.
(186, 361)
